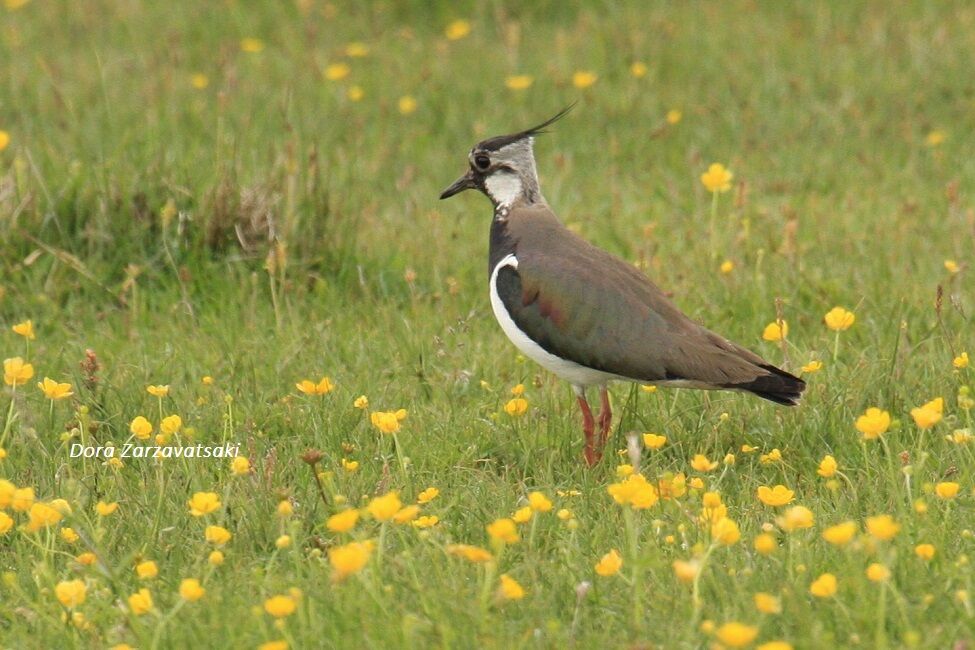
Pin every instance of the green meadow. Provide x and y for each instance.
(239, 201)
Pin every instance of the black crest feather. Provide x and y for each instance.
(497, 142)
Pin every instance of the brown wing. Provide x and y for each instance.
(581, 303)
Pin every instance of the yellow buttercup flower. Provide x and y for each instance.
(387, 421)
(779, 495)
(217, 535)
(796, 518)
(146, 570)
(503, 530)
(839, 319)
(4, 136)
(736, 635)
(522, 515)
(674, 116)
(160, 390)
(86, 559)
(350, 466)
(428, 495)
(140, 602)
(17, 372)
(382, 508)
(105, 509)
(873, 423)
(584, 79)
(935, 138)
(654, 440)
(251, 45)
(191, 590)
(22, 499)
(776, 331)
(284, 509)
(457, 30)
(215, 558)
(240, 465)
(343, 521)
(55, 390)
(877, 572)
(67, 534)
(924, 551)
(539, 502)
(947, 490)
(355, 94)
(349, 559)
(170, 425)
(840, 534)
(701, 463)
(951, 266)
(140, 427)
(280, 606)
(337, 71)
(609, 564)
(765, 544)
(717, 178)
(519, 82)
(827, 467)
(7, 490)
(42, 515)
(71, 593)
(361, 402)
(638, 69)
(882, 527)
(726, 267)
(203, 503)
(961, 361)
(199, 80)
(428, 521)
(725, 531)
(516, 407)
(824, 586)
(767, 603)
(470, 553)
(321, 387)
(7, 522)
(407, 104)
(686, 570)
(26, 328)
(509, 589)
(929, 414)
(635, 492)
(406, 514)
(356, 50)
(283, 645)
(812, 366)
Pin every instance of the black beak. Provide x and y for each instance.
(465, 182)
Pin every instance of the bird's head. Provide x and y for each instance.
(503, 167)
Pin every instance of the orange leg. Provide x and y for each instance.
(605, 419)
(588, 428)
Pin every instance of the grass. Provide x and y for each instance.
(303, 238)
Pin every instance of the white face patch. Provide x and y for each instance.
(504, 187)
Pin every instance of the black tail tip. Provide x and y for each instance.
(778, 386)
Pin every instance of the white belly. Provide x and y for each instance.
(578, 375)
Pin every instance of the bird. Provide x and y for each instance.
(586, 315)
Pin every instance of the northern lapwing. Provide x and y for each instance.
(586, 315)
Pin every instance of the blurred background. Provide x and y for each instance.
(156, 144)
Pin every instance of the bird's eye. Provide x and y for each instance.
(482, 162)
